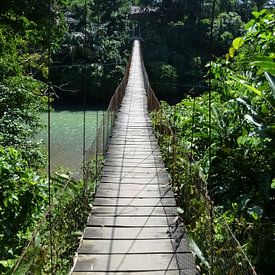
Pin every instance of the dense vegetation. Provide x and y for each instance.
(23, 185)
(46, 49)
(236, 161)
(94, 51)
(177, 43)
(69, 49)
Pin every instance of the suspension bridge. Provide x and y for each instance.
(133, 226)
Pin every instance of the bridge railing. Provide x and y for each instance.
(53, 243)
(218, 255)
(98, 147)
(152, 101)
(211, 237)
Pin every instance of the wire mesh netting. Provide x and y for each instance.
(99, 146)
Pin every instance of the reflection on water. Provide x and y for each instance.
(67, 136)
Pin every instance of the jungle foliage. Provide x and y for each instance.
(25, 28)
(236, 160)
(177, 33)
(65, 48)
(94, 51)
(23, 186)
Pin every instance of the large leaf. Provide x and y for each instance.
(246, 85)
(266, 64)
(247, 105)
(194, 247)
(238, 42)
(251, 88)
(250, 119)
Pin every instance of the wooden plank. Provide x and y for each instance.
(141, 131)
(132, 164)
(133, 169)
(136, 139)
(126, 233)
(134, 211)
(127, 180)
(137, 146)
(148, 272)
(105, 193)
(142, 181)
(134, 187)
(134, 202)
(133, 124)
(133, 152)
(136, 174)
(140, 173)
(133, 246)
(131, 262)
(133, 142)
(173, 231)
(139, 178)
(124, 160)
(119, 133)
(137, 159)
(132, 155)
(136, 122)
(132, 191)
(129, 221)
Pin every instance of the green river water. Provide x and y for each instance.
(67, 136)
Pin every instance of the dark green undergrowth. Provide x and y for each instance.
(224, 179)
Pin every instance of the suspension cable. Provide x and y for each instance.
(49, 132)
(97, 114)
(84, 92)
(210, 141)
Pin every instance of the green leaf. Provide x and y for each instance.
(262, 12)
(231, 52)
(242, 140)
(63, 176)
(180, 210)
(7, 263)
(253, 89)
(255, 212)
(245, 84)
(238, 42)
(267, 66)
(227, 56)
(244, 201)
(198, 252)
(250, 119)
(271, 82)
(273, 184)
(255, 14)
(249, 24)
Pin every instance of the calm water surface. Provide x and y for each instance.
(67, 136)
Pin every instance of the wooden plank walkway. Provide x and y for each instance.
(133, 227)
